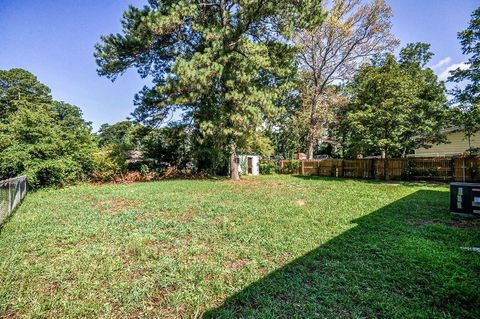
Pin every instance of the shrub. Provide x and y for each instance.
(295, 165)
(144, 170)
(411, 171)
(267, 167)
(291, 166)
(53, 173)
(104, 166)
(473, 151)
(473, 171)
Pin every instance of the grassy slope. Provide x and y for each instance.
(267, 247)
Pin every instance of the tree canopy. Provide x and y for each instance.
(223, 63)
(47, 140)
(467, 98)
(332, 51)
(397, 105)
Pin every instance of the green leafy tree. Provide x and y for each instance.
(289, 135)
(222, 62)
(119, 133)
(396, 105)
(467, 99)
(44, 139)
(169, 145)
(119, 140)
(18, 86)
(333, 50)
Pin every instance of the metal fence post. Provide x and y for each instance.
(9, 194)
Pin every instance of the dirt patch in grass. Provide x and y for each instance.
(9, 314)
(161, 295)
(159, 300)
(187, 216)
(50, 288)
(256, 182)
(88, 240)
(170, 247)
(115, 205)
(234, 262)
(149, 216)
(300, 203)
(162, 247)
(237, 264)
(138, 273)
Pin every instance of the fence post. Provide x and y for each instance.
(452, 169)
(343, 168)
(372, 168)
(9, 199)
(302, 168)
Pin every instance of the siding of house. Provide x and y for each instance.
(458, 145)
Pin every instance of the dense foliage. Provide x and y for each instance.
(223, 63)
(267, 167)
(332, 51)
(393, 105)
(396, 104)
(274, 78)
(45, 139)
(467, 98)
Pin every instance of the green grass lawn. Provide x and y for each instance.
(266, 247)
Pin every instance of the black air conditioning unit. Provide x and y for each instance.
(465, 199)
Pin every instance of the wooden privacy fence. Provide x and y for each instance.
(436, 168)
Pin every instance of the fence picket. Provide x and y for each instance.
(434, 168)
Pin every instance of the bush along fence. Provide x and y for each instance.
(12, 191)
(463, 169)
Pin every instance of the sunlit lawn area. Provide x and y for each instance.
(266, 247)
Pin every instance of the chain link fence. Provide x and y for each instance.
(12, 191)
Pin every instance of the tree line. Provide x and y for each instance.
(268, 77)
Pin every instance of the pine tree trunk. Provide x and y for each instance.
(234, 175)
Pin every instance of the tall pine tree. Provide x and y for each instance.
(224, 63)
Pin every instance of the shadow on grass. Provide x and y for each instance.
(403, 260)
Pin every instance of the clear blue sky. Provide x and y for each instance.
(54, 39)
